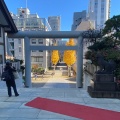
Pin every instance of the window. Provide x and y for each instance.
(40, 50)
(102, 9)
(40, 41)
(37, 59)
(33, 50)
(20, 49)
(19, 41)
(102, 4)
(96, 2)
(33, 41)
(96, 6)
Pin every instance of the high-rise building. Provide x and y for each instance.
(30, 22)
(77, 19)
(99, 11)
(54, 22)
(81, 23)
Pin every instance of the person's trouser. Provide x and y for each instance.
(9, 85)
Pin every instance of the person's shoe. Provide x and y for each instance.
(10, 95)
(17, 95)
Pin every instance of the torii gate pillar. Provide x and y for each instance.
(28, 82)
(79, 77)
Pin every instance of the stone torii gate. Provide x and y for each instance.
(52, 34)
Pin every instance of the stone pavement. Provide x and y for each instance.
(13, 108)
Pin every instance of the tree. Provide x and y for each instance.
(112, 29)
(112, 24)
(109, 44)
(69, 56)
(55, 57)
(105, 43)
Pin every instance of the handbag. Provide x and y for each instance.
(16, 75)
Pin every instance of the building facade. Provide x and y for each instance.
(6, 26)
(55, 23)
(61, 52)
(82, 23)
(99, 11)
(77, 18)
(25, 21)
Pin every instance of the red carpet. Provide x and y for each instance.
(73, 110)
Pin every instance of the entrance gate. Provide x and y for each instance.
(51, 34)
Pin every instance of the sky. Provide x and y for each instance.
(63, 8)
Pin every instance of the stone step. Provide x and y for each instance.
(103, 94)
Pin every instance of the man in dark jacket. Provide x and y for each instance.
(11, 82)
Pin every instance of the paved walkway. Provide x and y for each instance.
(12, 108)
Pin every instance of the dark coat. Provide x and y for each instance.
(10, 70)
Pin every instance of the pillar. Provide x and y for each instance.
(79, 77)
(27, 62)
